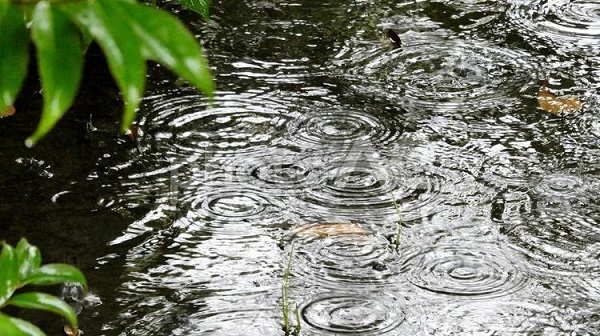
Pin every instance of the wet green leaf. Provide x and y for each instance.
(86, 37)
(14, 53)
(8, 273)
(47, 302)
(199, 6)
(53, 274)
(123, 52)
(11, 326)
(60, 60)
(164, 39)
(28, 258)
(3, 7)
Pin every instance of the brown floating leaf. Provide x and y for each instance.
(550, 103)
(323, 230)
(8, 111)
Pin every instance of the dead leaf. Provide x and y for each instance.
(9, 111)
(322, 230)
(550, 103)
(70, 331)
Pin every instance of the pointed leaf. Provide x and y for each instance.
(8, 273)
(17, 327)
(3, 7)
(14, 53)
(53, 274)
(47, 302)
(60, 60)
(28, 258)
(165, 40)
(122, 50)
(199, 6)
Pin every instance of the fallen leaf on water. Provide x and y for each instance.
(550, 103)
(323, 230)
(8, 111)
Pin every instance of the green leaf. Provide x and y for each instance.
(60, 60)
(28, 258)
(165, 40)
(3, 7)
(8, 273)
(14, 53)
(86, 37)
(122, 49)
(47, 302)
(52, 274)
(11, 326)
(199, 6)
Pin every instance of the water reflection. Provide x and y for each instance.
(332, 313)
(320, 128)
(365, 262)
(437, 71)
(567, 26)
(477, 272)
(318, 121)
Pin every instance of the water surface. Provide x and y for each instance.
(317, 119)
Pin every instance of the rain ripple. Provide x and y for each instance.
(230, 203)
(478, 272)
(360, 260)
(444, 72)
(360, 183)
(234, 122)
(488, 318)
(332, 313)
(563, 186)
(280, 172)
(559, 244)
(569, 25)
(347, 127)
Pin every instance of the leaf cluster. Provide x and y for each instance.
(21, 266)
(129, 34)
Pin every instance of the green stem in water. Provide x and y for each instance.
(400, 221)
(298, 327)
(285, 305)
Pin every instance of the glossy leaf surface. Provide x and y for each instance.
(164, 39)
(122, 50)
(11, 326)
(8, 274)
(199, 6)
(59, 53)
(14, 53)
(47, 302)
(53, 274)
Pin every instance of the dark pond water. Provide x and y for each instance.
(319, 120)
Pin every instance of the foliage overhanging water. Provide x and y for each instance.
(319, 120)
